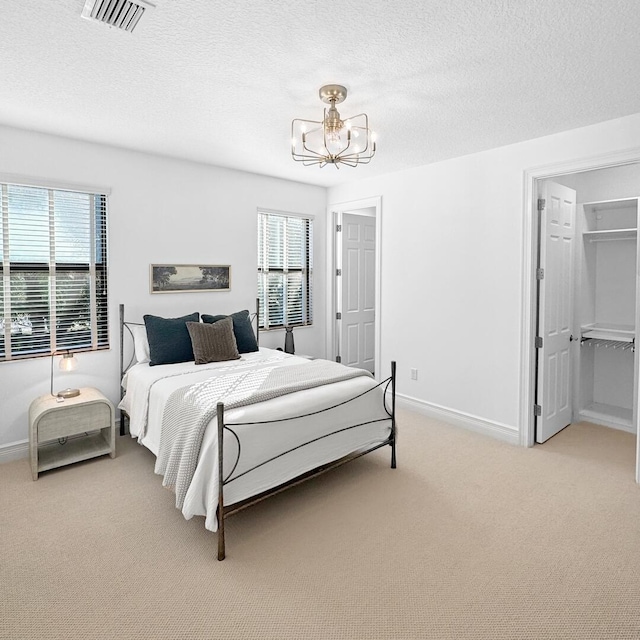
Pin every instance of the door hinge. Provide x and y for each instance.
(338, 228)
(540, 274)
(537, 410)
(338, 316)
(338, 272)
(542, 203)
(338, 359)
(538, 342)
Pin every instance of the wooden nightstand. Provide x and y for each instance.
(90, 414)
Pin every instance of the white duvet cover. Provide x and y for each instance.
(148, 388)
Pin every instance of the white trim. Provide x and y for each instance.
(459, 419)
(529, 239)
(333, 212)
(14, 451)
(46, 183)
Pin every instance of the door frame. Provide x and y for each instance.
(334, 214)
(529, 288)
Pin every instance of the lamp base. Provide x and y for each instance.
(68, 393)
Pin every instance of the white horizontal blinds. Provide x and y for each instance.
(28, 291)
(5, 332)
(284, 269)
(99, 208)
(55, 240)
(296, 263)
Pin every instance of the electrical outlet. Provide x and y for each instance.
(414, 374)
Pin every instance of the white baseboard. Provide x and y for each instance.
(460, 419)
(14, 451)
(20, 449)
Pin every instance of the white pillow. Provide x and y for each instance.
(140, 342)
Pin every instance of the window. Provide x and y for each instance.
(53, 263)
(285, 263)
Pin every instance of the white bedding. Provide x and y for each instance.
(147, 390)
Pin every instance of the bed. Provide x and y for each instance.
(263, 422)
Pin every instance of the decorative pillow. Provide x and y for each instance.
(242, 329)
(169, 339)
(140, 342)
(213, 342)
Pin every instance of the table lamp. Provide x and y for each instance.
(68, 362)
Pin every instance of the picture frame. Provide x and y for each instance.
(189, 278)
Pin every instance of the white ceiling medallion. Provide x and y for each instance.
(333, 140)
(120, 14)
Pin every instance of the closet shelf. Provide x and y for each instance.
(615, 332)
(610, 234)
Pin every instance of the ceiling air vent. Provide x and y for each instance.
(121, 14)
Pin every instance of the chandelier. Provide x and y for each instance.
(333, 140)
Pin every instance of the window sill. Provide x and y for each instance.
(296, 328)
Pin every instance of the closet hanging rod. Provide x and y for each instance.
(607, 344)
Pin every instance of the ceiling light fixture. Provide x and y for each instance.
(333, 140)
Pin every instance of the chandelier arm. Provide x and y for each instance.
(299, 156)
(311, 151)
(309, 159)
(305, 160)
(365, 128)
(357, 154)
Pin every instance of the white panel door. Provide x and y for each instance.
(357, 305)
(555, 312)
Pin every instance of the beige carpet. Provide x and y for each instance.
(469, 538)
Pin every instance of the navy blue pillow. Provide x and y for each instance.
(169, 339)
(242, 329)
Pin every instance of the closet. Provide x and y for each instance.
(606, 311)
(587, 293)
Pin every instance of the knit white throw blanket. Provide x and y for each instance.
(190, 409)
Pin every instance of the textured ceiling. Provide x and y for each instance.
(220, 82)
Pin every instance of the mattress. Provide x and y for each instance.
(295, 419)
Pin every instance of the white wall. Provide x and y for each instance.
(604, 184)
(452, 263)
(161, 210)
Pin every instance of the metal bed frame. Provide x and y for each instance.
(223, 512)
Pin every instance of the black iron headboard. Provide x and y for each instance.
(124, 324)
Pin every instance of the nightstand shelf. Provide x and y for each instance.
(86, 422)
(52, 455)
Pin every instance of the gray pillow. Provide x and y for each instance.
(213, 342)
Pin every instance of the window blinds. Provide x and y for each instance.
(284, 270)
(53, 262)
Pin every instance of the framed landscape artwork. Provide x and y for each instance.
(176, 278)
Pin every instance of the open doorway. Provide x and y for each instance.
(585, 311)
(353, 335)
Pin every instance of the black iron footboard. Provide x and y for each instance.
(389, 392)
(223, 512)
